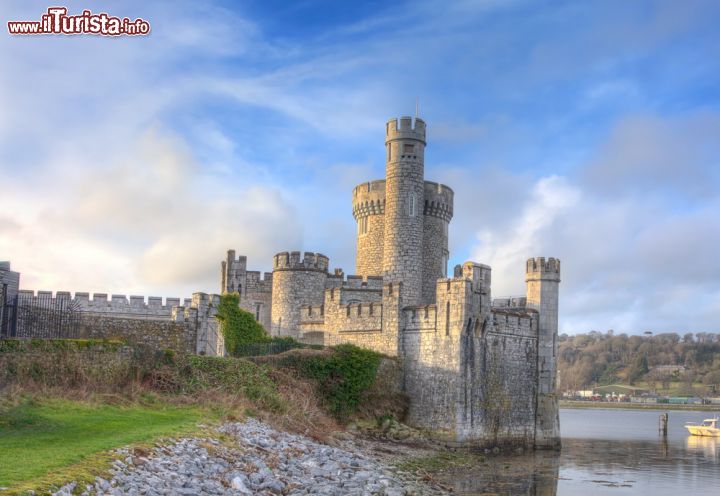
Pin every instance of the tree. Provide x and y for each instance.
(238, 326)
(638, 369)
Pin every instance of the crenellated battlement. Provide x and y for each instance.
(510, 302)
(102, 303)
(405, 128)
(257, 283)
(360, 310)
(515, 322)
(369, 199)
(294, 261)
(541, 268)
(420, 318)
(340, 280)
(312, 314)
(438, 200)
(241, 260)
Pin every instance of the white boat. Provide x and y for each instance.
(709, 427)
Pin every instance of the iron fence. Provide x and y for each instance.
(27, 316)
(274, 347)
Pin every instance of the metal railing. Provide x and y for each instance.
(28, 317)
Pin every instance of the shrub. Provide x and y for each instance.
(342, 375)
(238, 326)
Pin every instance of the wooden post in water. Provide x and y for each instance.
(662, 426)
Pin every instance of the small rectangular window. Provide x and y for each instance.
(412, 206)
(409, 149)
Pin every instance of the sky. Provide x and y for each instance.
(588, 131)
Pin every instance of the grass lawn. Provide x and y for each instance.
(49, 441)
(675, 389)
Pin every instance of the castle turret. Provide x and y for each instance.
(296, 281)
(369, 210)
(543, 281)
(404, 194)
(232, 273)
(437, 212)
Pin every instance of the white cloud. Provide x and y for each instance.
(506, 250)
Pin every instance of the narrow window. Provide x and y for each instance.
(408, 149)
(363, 225)
(389, 151)
(447, 318)
(257, 312)
(411, 206)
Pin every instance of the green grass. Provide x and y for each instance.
(50, 441)
(675, 389)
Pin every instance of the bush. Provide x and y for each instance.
(342, 375)
(238, 326)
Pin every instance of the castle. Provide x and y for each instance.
(477, 371)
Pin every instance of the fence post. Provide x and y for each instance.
(3, 312)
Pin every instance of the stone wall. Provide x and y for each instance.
(136, 307)
(158, 334)
(431, 357)
(255, 290)
(189, 328)
(372, 326)
(503, 382)
(256, 297)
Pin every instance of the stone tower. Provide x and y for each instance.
(404, 198)
(296, 282)
(543, 281)
(369, 210)
(232, 273)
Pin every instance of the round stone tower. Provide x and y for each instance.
(404, 195)
(369, 211)
(296, 281)
(437, 212)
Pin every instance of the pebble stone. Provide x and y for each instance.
(256, 460)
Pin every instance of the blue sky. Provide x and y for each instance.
(589, 131)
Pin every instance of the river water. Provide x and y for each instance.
(607, 452)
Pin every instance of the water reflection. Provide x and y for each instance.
(533, 474)
(708, 446)
(609, 452)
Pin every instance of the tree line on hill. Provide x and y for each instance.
(595, 358)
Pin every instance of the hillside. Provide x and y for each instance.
(690, 363)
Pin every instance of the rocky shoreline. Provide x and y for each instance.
(253, 458)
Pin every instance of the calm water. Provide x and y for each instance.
(609, 452)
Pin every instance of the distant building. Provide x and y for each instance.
(668, 369)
